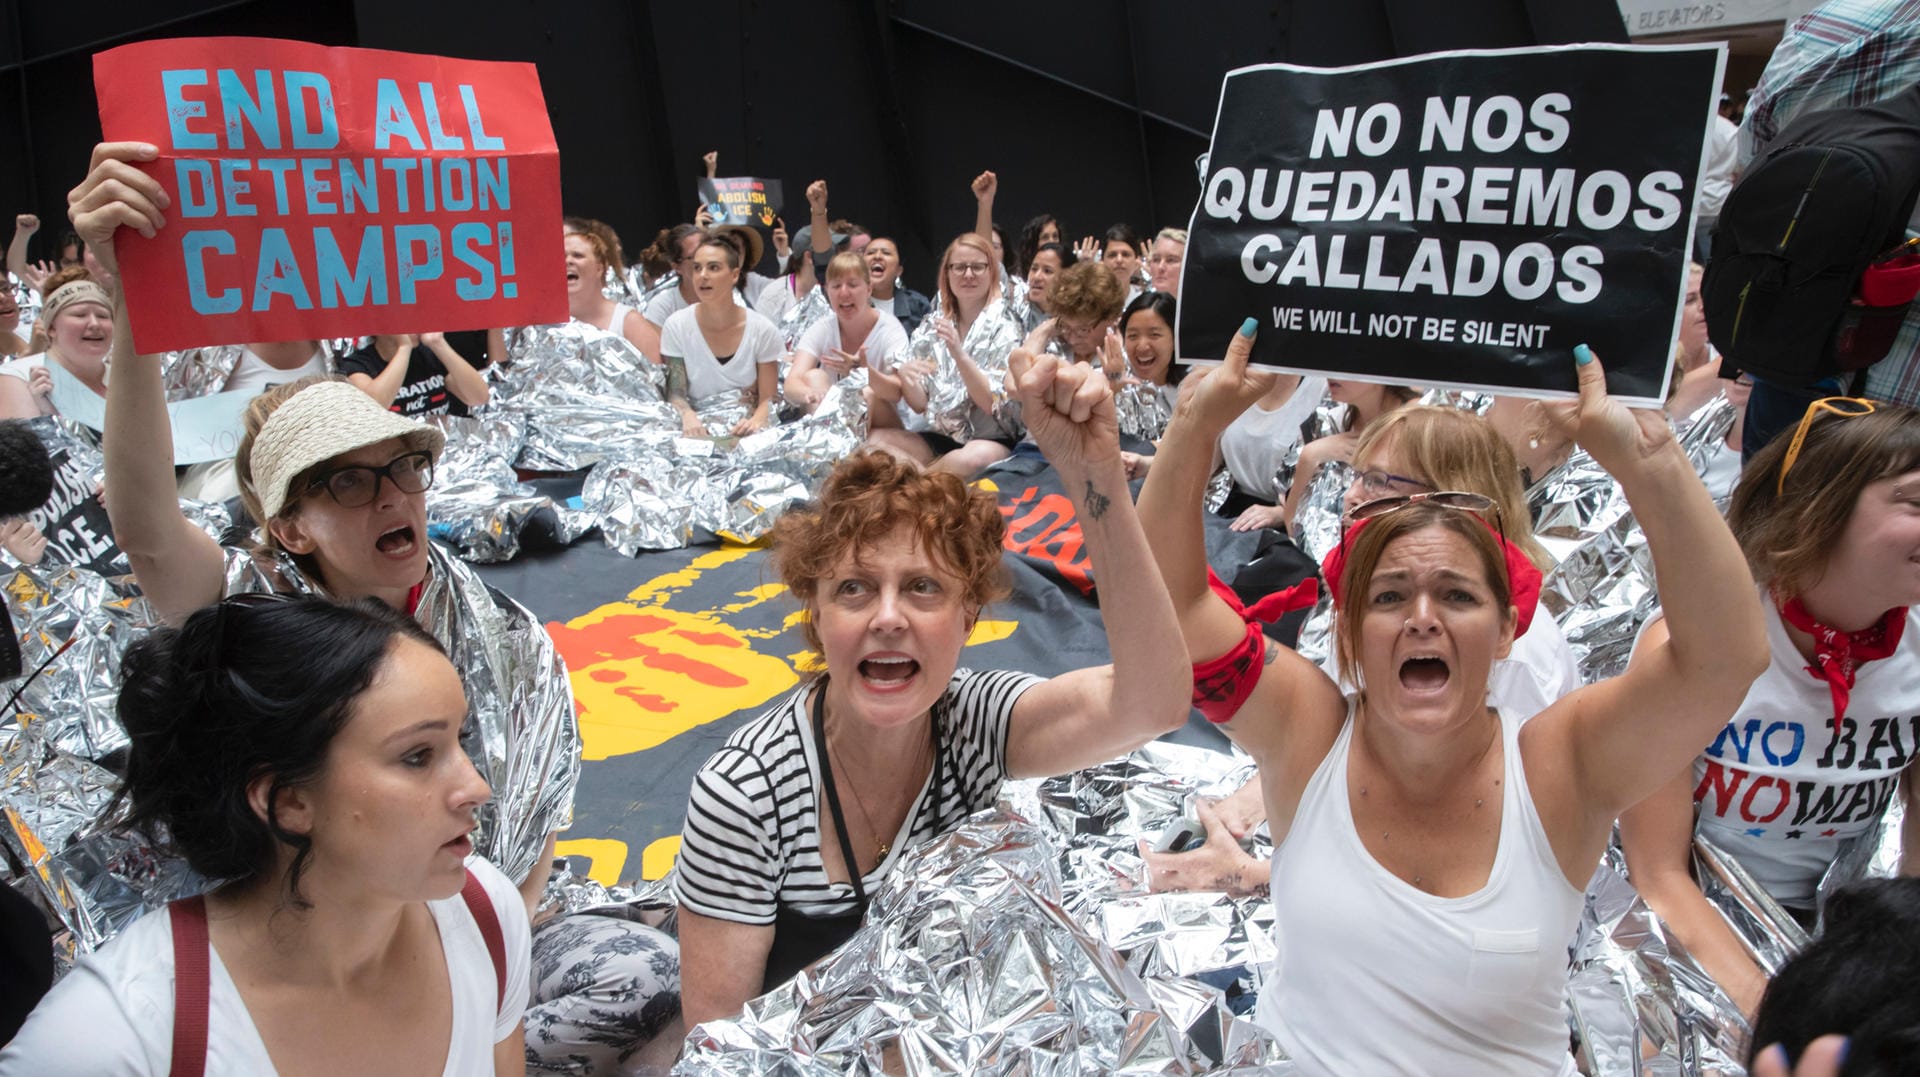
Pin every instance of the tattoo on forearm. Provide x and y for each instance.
(1097, 502)
(676, 378)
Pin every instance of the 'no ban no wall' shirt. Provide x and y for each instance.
(1780, 789)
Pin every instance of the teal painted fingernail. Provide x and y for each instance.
(1582, 354)
(1247, 327)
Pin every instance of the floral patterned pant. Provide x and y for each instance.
(603, 987)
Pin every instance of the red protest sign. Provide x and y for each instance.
(321, 192)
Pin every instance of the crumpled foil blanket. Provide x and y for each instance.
(971, 961)
(56, 751)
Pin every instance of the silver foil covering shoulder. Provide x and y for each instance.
(521, 732)
(950, 410)
(972, 961)
(795, 322)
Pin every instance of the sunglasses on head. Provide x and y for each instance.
(1847, 407)
(1478, 505)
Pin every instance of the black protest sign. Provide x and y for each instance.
(73, 519)
(745, 200)
(1461, 219)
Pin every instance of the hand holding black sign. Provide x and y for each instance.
(1458, 219)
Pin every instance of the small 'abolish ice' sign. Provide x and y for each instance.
(322, 192)
(1459, 219)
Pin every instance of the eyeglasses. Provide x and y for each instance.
(968, 269)
(1164, 260)
(1385, 483)
(1847, 407)
(355, 485)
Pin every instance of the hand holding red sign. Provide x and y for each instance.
(320, 192)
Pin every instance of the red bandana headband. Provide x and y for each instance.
(1523, 577)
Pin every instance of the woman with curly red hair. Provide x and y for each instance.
(893, 566)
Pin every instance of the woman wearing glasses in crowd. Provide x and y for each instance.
(970, 335)
(1085, 302)
(1364, 402)
(1430, 851)
(592, 250)
(336, 484)
(1829, 520)
(1414, 450)
(1163, 263)
(307, 755)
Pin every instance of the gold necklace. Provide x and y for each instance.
(882, 845)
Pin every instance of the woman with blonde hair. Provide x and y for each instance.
(969, 337)
(78, 317)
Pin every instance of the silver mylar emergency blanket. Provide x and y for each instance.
(992, 337)
(971, 961)
(477, 504)
(520, 734)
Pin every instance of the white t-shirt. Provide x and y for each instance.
(1779, 790)
(1723, 152)
(707, 376)
(886, 342)
(22, 367)
(1256, 444)
(113, 1014)
(884, 306)
(252, 376)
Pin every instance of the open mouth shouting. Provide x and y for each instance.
(888, 671)
(1424, 674)
(399, 543)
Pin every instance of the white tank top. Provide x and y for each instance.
(1374, 976)
(1780, 791)
(252, 376)
(1257, 442)
(617, 322)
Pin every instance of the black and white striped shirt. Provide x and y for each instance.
(752, 839)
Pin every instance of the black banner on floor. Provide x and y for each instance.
(1460, 219)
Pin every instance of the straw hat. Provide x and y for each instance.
(319, 423)
(750, 239)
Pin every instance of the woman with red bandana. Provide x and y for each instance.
(1430, 851)
(1829, 520)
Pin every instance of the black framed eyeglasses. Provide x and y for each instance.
(354, 485)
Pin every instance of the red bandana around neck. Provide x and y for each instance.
(1838, 655)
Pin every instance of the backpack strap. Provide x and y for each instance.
(474, 893)
(191, 971)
